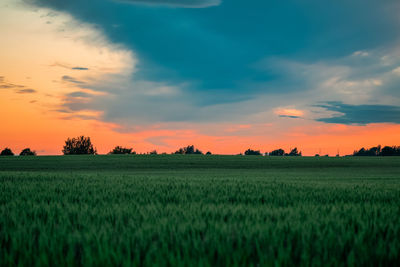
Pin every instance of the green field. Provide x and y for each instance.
(181, 210)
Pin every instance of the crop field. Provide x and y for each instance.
(184, 210)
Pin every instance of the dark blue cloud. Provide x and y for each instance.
(217, 48)
(176, 3)
(361, 114)
(230, 53)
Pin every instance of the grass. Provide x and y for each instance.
(174, 210)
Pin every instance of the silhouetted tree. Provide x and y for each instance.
(188, 150)
(250, 152)
(208, 153)
(78, 146)
(6, 152)
(294, 152)
(27, 152)
(277, 152)
(390, 151)
(373, 151)
(378, 151)
(361, 152)
(122, 150)
(154, 152)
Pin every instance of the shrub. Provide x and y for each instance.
(27, 152)
(188, 150)
(250, 152)
(6, 152)
(122, 150)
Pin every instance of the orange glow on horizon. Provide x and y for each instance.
(46, 134)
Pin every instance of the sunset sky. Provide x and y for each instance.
(223, 75)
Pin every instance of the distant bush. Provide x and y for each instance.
(154, 152)
(208, 153)
(122, 150)
(6, 152)
(277, 152)
(27, 152)
(79, 146)
(250, 152)
(188, 150)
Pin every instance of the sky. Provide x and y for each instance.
(223, 75)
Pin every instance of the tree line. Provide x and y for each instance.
(378, 151)
(82, 145)
(276, 152)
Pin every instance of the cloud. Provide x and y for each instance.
(289, 116)
(78, 94)
(7, 85)
(396, 70)
(203, 71)
(79, 68)
(289, 112)
(127, 101)
(360, 114)
(26, 91)
(361, 53)
(68, 66)
(176, 3)
(70, 79)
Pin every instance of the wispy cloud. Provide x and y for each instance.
(289, 112)
(68, 66)
(8, 85)
(78, 94)
(70, 79)
(26, 91)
